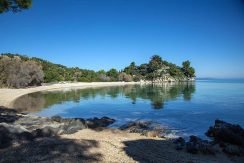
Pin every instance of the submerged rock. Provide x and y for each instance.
(226, 133)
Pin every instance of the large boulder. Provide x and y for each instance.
(226, 133)
(57, 125)
(73, 125)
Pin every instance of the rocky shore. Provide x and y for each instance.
(167, 79)
(29, 138)
(17, 127)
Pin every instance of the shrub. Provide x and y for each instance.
(19, 74)
(125, 77)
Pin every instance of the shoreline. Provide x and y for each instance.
(8, 95)
(29, 138)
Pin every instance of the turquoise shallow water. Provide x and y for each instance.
(186, 108)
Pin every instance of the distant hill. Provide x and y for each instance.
(156, 70)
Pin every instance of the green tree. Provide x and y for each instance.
(143, 69)
(155, 64)
(131, 69)
(113, 74)
(101, 72)
(187, 69)
(14, 5)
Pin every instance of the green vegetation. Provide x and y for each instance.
(157, 70)
(18, 73)
(187, 69)
(14, 5)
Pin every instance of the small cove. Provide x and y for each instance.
(186, 108)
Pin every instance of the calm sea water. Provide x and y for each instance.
(186, 108)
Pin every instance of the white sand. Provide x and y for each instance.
(7, 96)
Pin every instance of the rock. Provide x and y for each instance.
(5, 139)
(180, 140)
(8, 115)
(137, 125)
(233, 150)
(73, 126)
(45, 132)
(56, 118)
(196, 145)
(102, 122)
(14, 129)
(9, 133)
(192, 146)
(49, 131)
(56, 124)
(226, 132)
(146, 128)
(26, 136)
(141, 127)
(180, 143)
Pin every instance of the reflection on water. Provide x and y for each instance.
(156, 94)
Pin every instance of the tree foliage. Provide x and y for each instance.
(154, 66)
(187, 69)
(14, 5)
(132, 69)
(113, 74)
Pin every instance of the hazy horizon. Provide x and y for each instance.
(110, 34)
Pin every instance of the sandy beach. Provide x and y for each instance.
(117, 146)
(7, 96)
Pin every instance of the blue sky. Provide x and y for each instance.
(101, 34)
